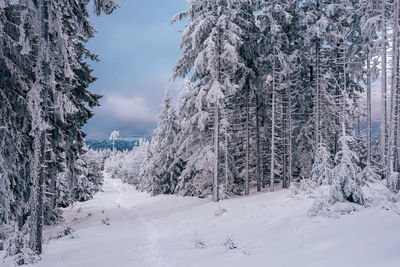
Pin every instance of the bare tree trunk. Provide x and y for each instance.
(226, 164)
(258, 143)
(272, 181)
(40, 196)
(246, 182)
(338, 94)
(284, 138)
(290, 159)
(215, 193)
(317, 97)
(344, 87)
(396, 125)
(393, 97)
(53, 177)
(368, 110)
(113, 148)
(384, 123)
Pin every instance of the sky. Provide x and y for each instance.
(138, 48)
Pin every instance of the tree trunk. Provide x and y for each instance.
(290, 159)
(384, 123)
(397, 117)
(226, 164)
(258, 144)
(317, 96)
(37, 200)
(246, 182)
(215, 193)
(272, 174)
(284, 138)
(393, 97)
(368, 110)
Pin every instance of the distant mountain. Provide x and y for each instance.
(123, 143)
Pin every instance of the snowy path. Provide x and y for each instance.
(269, 229)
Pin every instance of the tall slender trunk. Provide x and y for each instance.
(338, 94)
(396, 118)
(344, 87)
(215, 193)
(38, 170)
(290, 158)
(368, 109)
(284, 138)
(226, 164)
(246, 182)
(40, 196)
(272, 174)
(393, 96)
(113, 148)
(258, 143)
(384, 123)
(317, 96)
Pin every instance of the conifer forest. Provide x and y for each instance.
(279, 146)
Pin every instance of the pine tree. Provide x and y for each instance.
(165, 166)
(218, 46)
(322, 167)
(345, 180)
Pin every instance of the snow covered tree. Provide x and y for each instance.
(90, 179)
(346, 184)
(114, 136)
(165, 166)
(322, 167)
(218, 44)
(44, 102)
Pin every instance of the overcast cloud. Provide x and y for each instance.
(138, 49)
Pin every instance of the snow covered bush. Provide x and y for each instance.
(231, 245)
(369, 174)
(306, 188)
(198, 242)
(220, 211)
(17, 247)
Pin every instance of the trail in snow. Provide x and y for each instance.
(271, 228)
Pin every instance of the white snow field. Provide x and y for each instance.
(266, 229)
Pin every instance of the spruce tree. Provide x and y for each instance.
(165, 165)
(345, 179)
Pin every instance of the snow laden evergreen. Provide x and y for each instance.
(165, 167)
(322, 167)
(268, 86)
(217, 41)
(346, 184)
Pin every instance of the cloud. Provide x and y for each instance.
(130, 110)
(137, 53)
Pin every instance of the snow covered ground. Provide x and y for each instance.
(268, 229)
